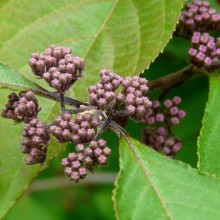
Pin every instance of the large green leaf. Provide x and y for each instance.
(123, 35)
(151, 186)
(10, 79)
(208, 142)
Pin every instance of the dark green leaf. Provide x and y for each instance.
(208, 142)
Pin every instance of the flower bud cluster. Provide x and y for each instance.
(77, 164)
(132, 95)
(161, 118)
(79, 130)
(136, 103)
(57, 67)
(35, 140)
(168, 111)
(205, 51)
(103, 93)
(21, 108)
(199, 16)
(160, 140)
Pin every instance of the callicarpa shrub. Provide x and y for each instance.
(93, 85)
(113, 97)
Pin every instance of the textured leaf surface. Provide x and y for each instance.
(124, 36)
(209, 142)
(152, 186)
(10, 79)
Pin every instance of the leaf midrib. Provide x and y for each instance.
(147, 174)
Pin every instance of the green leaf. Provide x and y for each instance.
(124, 36)
(152, 186)
(34, 210)
(10, 79)
(208, 142)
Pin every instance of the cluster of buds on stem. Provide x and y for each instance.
(57, 67)
(106, 102)
(103, 92)
(132, 95)
(162, 117)
(77, 164)
(205, 51)
(137, 104)
(78, 130)
(36, 138)
(198, 16)
(22, 107)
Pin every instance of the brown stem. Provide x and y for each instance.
(56, 97)
(175, 79)
(166, 82)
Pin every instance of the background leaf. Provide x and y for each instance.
(10, 79)
(152, 185)
(124, 36)
(208, 142)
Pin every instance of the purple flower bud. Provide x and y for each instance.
(202, 48)
(97, 152)
(160, 139)
(175, 120)
(177, 100)
(130, 99)
(181, 114)
(68, 171)
(170, 142)
(30, 160)
(75, 165)
(130, 110)
(156, 104)
(102, 159)
(159, 117)
(207, 62)
(85, 124)
(81, 157)
(200, 56)
(101, 143)
(65, 162)
(120, 97)
(94, 144)
(75, 176)
(82, 133)
(166, 150)
(140, 111)
(174, 110)
(161, 130)
(82, 172)
(94, 123)
(88, 161)
(76, 139)
(168, 103)
(90, 134)
(80, 148)
(88, 151)
(72, 156)
(177, 147)
(107, 151)
(151, 120)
